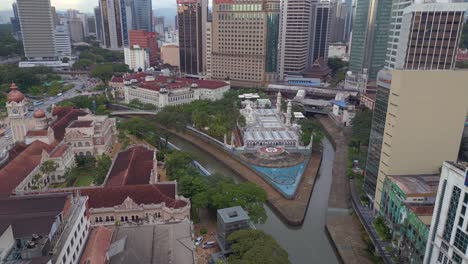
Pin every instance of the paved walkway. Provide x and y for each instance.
(343, 228)
(291, 210)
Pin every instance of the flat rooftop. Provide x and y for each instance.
(233, 214)
(153, 244)
(417, 185)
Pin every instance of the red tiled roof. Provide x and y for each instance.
(65, 115)
(21, 166)
(37, 133)
(31, 214)
(16, 150)
(76, 124)
(422, 209)
(132, 167)
(117, 79)
(58, 151)
(210, 84)
(140, 194)
(96, 248)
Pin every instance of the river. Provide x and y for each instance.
(306, 244)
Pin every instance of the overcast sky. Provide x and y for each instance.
(86, 5)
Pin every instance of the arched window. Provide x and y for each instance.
(107, 218)
(96, 219)
(88, 153)
(87, 144)
(112, 218)
(122, 219)
(80, 144)
(100, 219)
(126, 218)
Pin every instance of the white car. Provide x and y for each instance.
(198, 241)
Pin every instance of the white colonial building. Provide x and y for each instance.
(163, 90)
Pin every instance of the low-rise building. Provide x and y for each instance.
(49, 228)
(407, 204)
(368, 100)
(230, 220)
(343, 113)
(448, 236)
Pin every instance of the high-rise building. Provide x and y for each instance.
(370, 35)
(147, 41)
(322, 26)
(37, 29)
(209, 43)
(339, 22)
(127, 12)
(418, 135)
(240, 40)
(428, 38)
(409, 32)
(143, 15)
(192, 16)
(84, 21)
(62, 42)
(294, 37)
(159, 25)
(15, 22)
(55, 16)
(448, 236)
(72, 13)
(136, 58)
(111, 24)
(75, 26)
(91, 24)
(98, 23)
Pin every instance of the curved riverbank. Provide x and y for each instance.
(292, 211)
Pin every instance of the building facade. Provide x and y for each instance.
(76, 29)
(322, 26)
(147, 41)
(62, 42)
(294, 36)
(112, 33)
(37, 28)
(448, 237)
(192, 16)
(230, 220)
(136, 58)
(170, 55)
(209, 45)
(404, 150)
(98, 23)
(241, 35)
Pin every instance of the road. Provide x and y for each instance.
(80, 88)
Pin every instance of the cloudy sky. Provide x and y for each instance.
(87, 5)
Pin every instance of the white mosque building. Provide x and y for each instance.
(268, 127)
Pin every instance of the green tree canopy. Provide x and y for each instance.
(103, 72)
(362, 123)
(250, 246)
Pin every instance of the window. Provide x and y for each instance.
(461, 240)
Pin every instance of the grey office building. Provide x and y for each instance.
(98, 23)
(37, 27)
(230, 220)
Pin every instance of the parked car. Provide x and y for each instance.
(209, 244)
(198, 241)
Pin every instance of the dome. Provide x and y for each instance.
(39, 113)
(15, 95)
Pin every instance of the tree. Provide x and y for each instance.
(250, 246)
(103, 164)
(103, 72)
(226, 193)
(82, 64)
(336, 64)
(48, 166)
(65, 60)
(362, 123)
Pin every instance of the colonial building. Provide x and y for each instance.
(85, 133)
(163, 91)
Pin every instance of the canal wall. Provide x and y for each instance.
(291, 211)
(342, 226)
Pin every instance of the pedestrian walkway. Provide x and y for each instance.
(342, 226)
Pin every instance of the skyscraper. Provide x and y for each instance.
(192, 16)
(143, 15)
(15, 22)
(98, 23)
(111, 23)
(294, 36)
(159, 25)
(37, 29)
(370, 35)
(428, 38)
(76, 29)
(240, 40)
(321, 30)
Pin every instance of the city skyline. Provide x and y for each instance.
(87, 6)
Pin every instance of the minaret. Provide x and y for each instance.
(288, 113)
(278, 102)
(17, 111)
